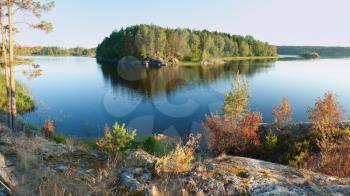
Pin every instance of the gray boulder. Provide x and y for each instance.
(130, 60)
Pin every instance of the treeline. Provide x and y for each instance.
(54, 51)
(323, 51)
(154, 42)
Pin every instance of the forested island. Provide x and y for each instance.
(53, 51)
(151, 42)
(310, 55)
(323, 51)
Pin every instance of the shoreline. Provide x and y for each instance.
(212, 61)
(223, 60)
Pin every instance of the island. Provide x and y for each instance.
(310, 55)
(154, 45)
(324, 51)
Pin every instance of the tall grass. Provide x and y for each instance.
(25, 103)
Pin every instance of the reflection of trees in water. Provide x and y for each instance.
(166, 80)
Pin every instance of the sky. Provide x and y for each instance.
(85, 23)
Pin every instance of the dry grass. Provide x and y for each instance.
(180, 159)
(335, 162)
(176, 162)
(35, 175)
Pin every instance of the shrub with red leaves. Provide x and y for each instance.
(225, 134)
(325, 118)
(49, 128)
(335, 162)
(282, 114)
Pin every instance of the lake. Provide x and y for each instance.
(81, 95)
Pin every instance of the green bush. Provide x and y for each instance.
(271, 140)
(117, 142)
(154, 146)
(237, 101)
(59, 138)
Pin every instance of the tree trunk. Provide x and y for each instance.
(4, 57)
(12, 76)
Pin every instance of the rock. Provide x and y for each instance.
(138, 171)
(213, 186)
(5, 179)
(140, 159)
(229, 175)
(130, 60)
(6, 172)
(157, 62)
(145, 177)
(127, 179)
(61, 168)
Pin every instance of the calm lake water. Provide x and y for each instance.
(82, 95)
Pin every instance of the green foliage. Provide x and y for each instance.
(25, 103)
(237, 100)
(310, 55)
(271, 140)
(152, 42)
(116, 142)
(59, 138)
(282, 149)
(54, 51)
(154, 146)
(347, 131)
(299, 152)
(321, 50)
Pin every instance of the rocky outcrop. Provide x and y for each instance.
(225, 175)
(26, 156)
(229, 175)
(157, 62)
(130, 60)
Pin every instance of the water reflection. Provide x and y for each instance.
(81, 95)
(156, 82)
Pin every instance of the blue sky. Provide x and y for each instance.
(281, 22)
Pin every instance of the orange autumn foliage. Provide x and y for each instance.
(49, 128)
(225, 134)
(250, 126)
(282, 114)
(325, 117)
(327, 113)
